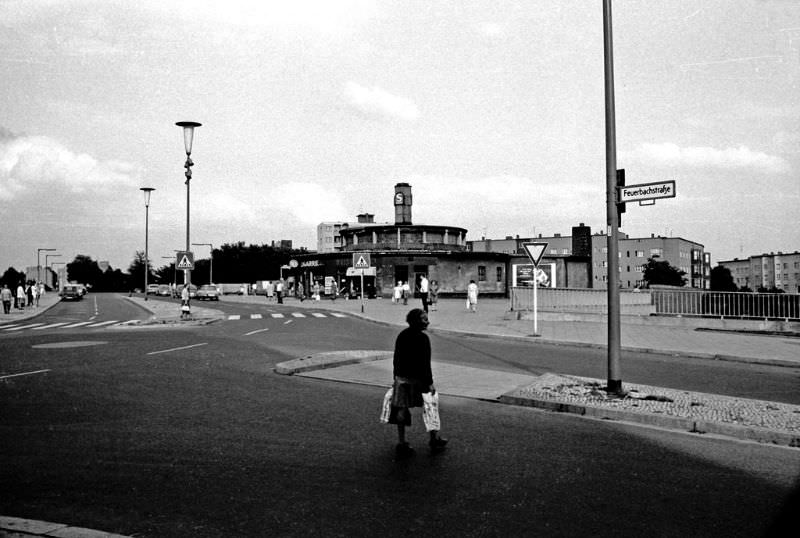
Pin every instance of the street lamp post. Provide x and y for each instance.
(147, 191)
(39, 262)
(188, 138)
(60, 280)
(612, 217)
(47, 263)
(211, 262)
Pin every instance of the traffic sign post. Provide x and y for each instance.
(361, 261)
(184, 260)
(535, 252)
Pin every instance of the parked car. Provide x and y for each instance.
(152, 289)
(207, 293)
(71, 293)
(164, 290)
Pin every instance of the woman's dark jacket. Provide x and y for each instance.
(412, 356)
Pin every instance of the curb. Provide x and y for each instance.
(329, 359)
(746, 433)
(30, 527)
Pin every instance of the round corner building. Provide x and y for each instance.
(402, 252)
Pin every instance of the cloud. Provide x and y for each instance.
(378, 103)
(311, 203)
(667, 154)
(32, 162)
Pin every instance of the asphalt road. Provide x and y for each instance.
(188, 432)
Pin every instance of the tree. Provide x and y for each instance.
(84, 270)
(12, 278)
(137, 268)
(722, 279)
(657, 272)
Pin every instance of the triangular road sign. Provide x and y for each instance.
(535, 251)
(185, 260)
(361, 261)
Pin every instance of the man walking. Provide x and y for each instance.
(423, 292)
(7, 297)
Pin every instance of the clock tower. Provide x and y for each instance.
(402, 203)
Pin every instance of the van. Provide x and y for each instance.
(71, 293)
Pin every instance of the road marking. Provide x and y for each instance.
(288, 321)
(255, 316)
(338, 315)
(256, 331)
(76, 325)
(318, 315)
(298, 315)
(177, 348)
(50, 326)
(235, 316)
(9, 326)
(104, 323)
(277, 315)
(23, 327)
(24, 373)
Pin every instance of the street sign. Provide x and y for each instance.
(535, 251)
(646, 191)
(185, 260)
(361, 260)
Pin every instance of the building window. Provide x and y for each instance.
(499, 274)
(481, 273)
(564, 251)
(640, 253)
(655, 252)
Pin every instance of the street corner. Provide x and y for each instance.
(330, 359)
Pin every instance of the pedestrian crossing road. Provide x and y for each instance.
(11, 328)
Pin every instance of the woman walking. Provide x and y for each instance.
(412, 378)
(472, 296)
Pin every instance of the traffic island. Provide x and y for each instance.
(755, 420)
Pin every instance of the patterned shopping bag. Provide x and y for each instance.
(387, 405)
(430, 411)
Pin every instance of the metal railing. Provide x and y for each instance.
(663, 301)
(721, 304)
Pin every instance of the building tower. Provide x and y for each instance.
(402, 203)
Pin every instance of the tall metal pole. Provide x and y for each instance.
(147, 191)
(188, 273)
(614, 344)
(188, 137)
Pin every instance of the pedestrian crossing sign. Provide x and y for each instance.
(361, 260)
(185, 260)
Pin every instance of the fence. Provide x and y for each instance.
(663, 301)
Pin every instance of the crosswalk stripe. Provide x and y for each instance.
(298, 315)
(23, 327)
(104, 323)
(235, 316)
(2, 327)
(50, 326)
(255, 316)
(76, 325)
(338, 315)
(277, 315)
(318, 315)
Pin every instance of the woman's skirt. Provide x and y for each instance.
(407, 394)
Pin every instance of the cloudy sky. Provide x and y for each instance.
(313, 110)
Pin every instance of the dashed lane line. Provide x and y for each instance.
(256, 332)
(24, 373)
(177, 348)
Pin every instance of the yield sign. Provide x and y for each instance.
(535, 251)
(361, 261)
(185, 260)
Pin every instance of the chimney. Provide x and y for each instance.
(366, 218)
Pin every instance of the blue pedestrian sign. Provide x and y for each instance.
(185, 260)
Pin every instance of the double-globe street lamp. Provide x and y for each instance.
(211, 262)
(147, 191)
(188, 137)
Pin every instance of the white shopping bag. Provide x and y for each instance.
(430, 411)
(387, 405)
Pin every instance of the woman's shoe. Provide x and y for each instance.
(437, 444)
(403, 451)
